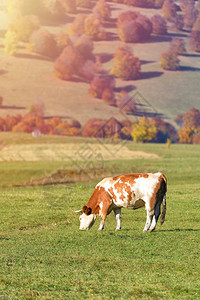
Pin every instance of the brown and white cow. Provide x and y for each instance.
(130, 191)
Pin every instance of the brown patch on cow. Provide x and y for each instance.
(99, 195)
(128, 177)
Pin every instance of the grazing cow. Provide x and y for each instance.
(130, 191)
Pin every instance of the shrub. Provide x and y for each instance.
(84, 46)
(177, 46)
(11, 121)
(108, 96)
(68, 63)
(195, 40)
(133, 27)
(126, 103)
(29, 123)
(190, 16)
(103, 9)
(169, 9)
(178, 22)
(144, 131)
(169, 61)
(88, 70)
(24, 27)
(165, 131)
(62, 40)
(93, 128)
(99, 84)
(44, 43)
(77, 27)
(11, 42)
(127, 66)
(159, 25)
(93, 28)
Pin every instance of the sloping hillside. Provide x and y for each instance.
(27, 77)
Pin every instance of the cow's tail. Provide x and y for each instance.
(164, 189)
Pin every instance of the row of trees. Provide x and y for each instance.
(153, 130)
(143, 130)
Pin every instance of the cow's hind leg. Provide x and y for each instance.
(117, 213)
(155, 217)
(148, 221)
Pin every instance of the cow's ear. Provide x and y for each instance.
(86, 210)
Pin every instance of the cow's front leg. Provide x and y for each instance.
(101, 226)
(118, 218)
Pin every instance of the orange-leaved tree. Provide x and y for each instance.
(127, 66)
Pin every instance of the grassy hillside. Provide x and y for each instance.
(27, 77)
(44, 255)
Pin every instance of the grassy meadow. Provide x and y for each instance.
(45, 256)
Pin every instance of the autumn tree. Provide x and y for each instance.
(68, 63)
(165, 131)
(126, 103)
(177, 46)
(37, 108)
(178, 22)
(44, 43)
(94, 128)
(99, 84)
(77, 27)
(11, 42)
(127, 66)
(191, 126)
(190, 16)
(24, 27)
(108, 96)
(169, 61)
(62, 40)
(84, 46)
(169, 9)
(103, 9)
(159, 24)
(195, 40)
(93, 28)
(133, 27)
(144, 131)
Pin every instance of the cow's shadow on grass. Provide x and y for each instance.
(2, 238)
(178, 230)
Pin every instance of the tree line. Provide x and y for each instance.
(144, 129)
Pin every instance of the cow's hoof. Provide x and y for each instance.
(117, 229)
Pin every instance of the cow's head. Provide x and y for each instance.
(86, 218)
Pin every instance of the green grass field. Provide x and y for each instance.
(45, 256)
